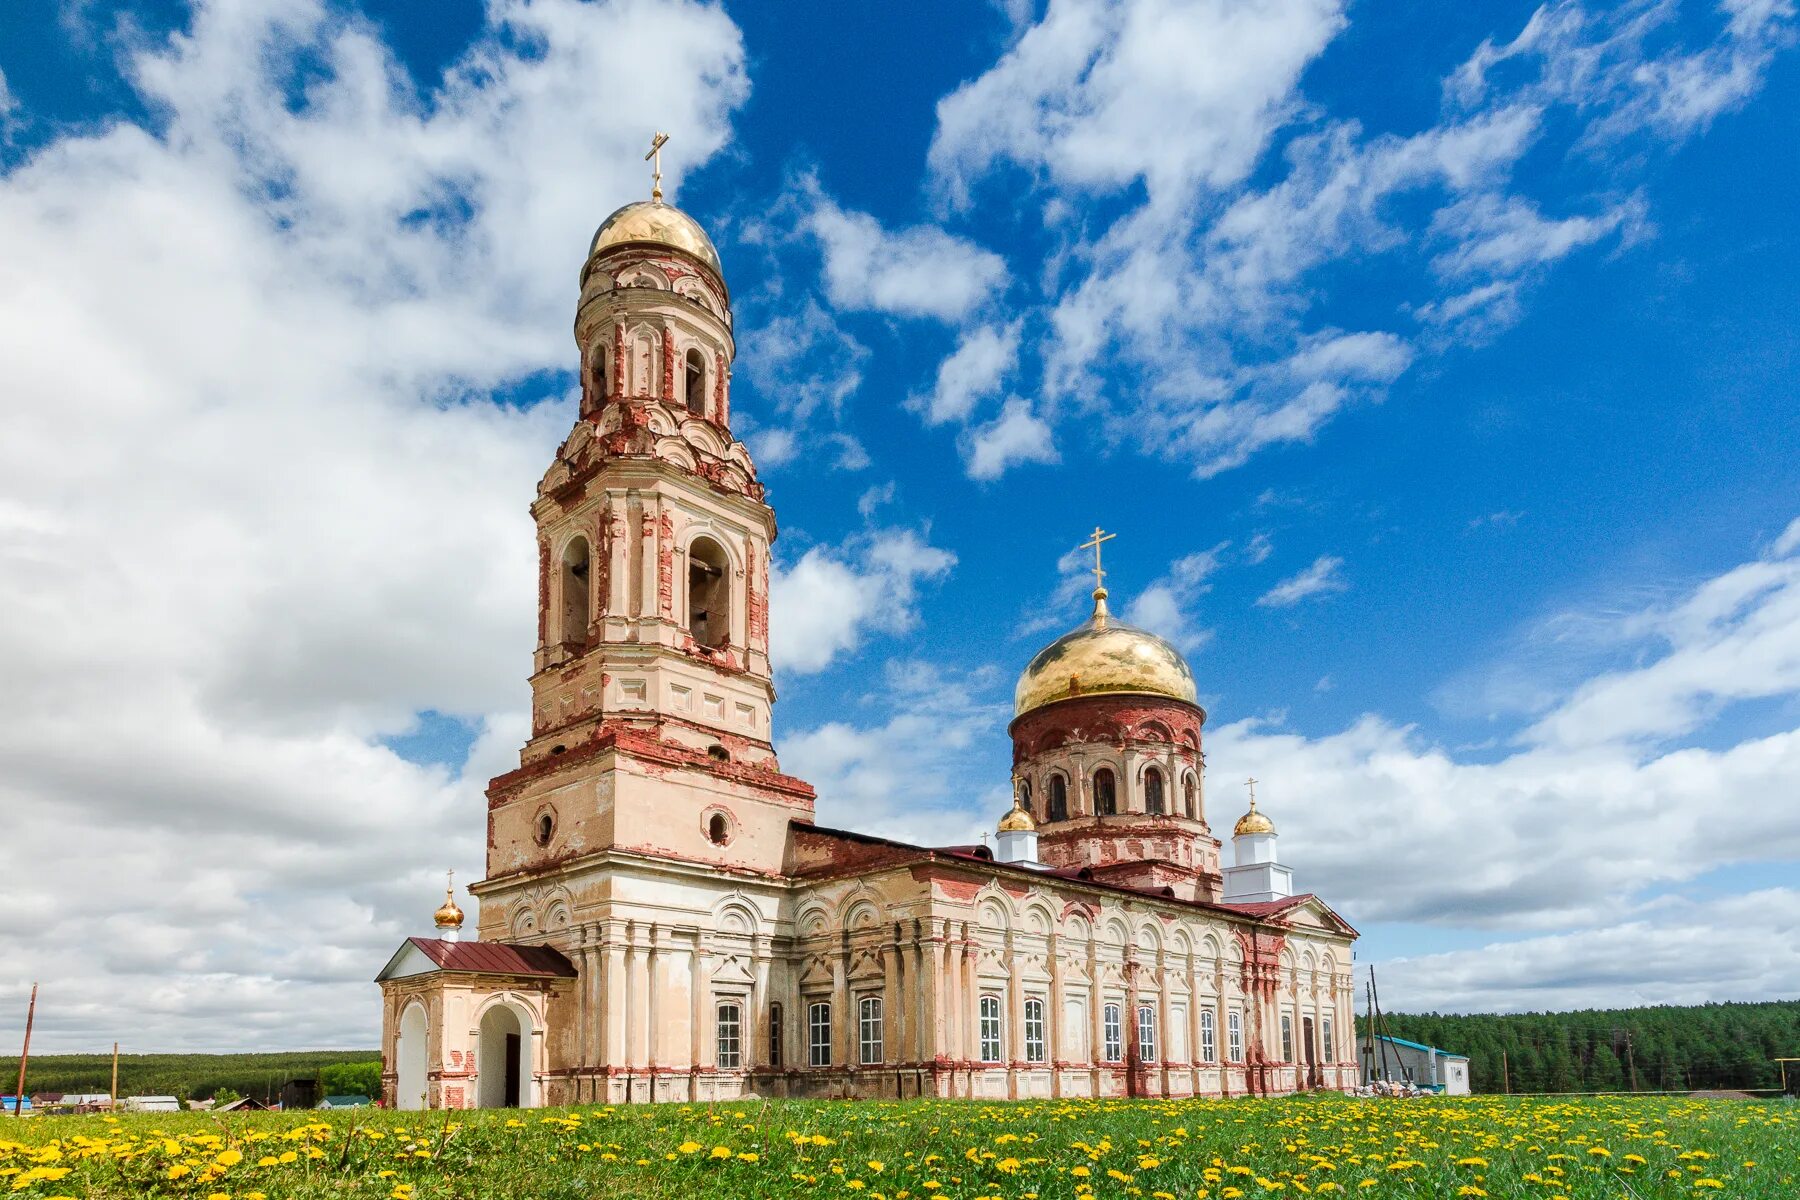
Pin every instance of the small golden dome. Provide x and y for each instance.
(1104, 656)
(449, 916)
(1253, 822)
(1017, 820)
(651, 222)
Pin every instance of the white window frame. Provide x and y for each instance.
(990, 1027)
(1146, 1033)
(1326, 1040)
(1112, 1033)
(1287, 1037)
(1035, 1049)
(1209, 1036)
(868, 1031)
(1234, 1036)
(729, 1034)
(818, 1033)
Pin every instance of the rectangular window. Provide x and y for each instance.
(1287, 1038)
(868, 1030)
(818, 1034)
(1234, 1036)
(1034, 1031)
(1176, 1047)
(775, 1035)
(1325, 1038)
(990, 1029)
(731, 1037)
(1146, 1033)
(1109, 1030)
(1209, 1036)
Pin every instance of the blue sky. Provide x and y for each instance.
(1436, 370)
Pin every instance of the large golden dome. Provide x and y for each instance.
(651, 222)
(1104, 657)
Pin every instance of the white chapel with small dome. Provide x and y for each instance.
(661, 917)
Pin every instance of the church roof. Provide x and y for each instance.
(879, 852)
(491, 958)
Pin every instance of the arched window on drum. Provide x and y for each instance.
(1190, 797)
(1059, 799)
(1153, 792)
(1106, 795)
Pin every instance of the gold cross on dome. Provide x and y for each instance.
(1094, 544)
(655, 157)
(449, 881)
(1251, 784)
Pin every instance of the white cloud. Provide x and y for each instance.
(905, 773)
(804, 364)
(1189, 323)
(1676, 951)
(1320, 579)
(1167, 606)
(921, 271)
(245, 464)
(1734, 638)
(824, 605)
(1016, 436)
(973, 373)
(1097, 95)
(1789, 541)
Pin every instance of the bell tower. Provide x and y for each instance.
(651, 690)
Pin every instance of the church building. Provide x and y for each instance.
(661, 917)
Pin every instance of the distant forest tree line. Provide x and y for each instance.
(1713, 1046)
(197, 1076)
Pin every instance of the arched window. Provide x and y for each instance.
(1106, 799)
(1189, 794)
(1059, 798)
(1153, 792)
(1025, 796)
(709, 593)
(575, 592)
(695, 380)
(717, 830)
(603, 374)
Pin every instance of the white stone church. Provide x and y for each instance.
(663, 920)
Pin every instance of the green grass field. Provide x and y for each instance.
(1636, 1147)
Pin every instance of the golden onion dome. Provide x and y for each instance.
(1017, 820)
(1253, 822)
(653, 223)
(1104, 657)
(448, 916)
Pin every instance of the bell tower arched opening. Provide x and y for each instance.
(709, 593)
(694, 382)
(576, 601)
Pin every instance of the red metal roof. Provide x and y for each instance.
(496, 958)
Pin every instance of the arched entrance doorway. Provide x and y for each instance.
(501, 1059)
(409, 1058)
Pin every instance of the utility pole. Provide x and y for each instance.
(25, 1054)
(1375, 1000)
(1505, 1074)
(115, 1082)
